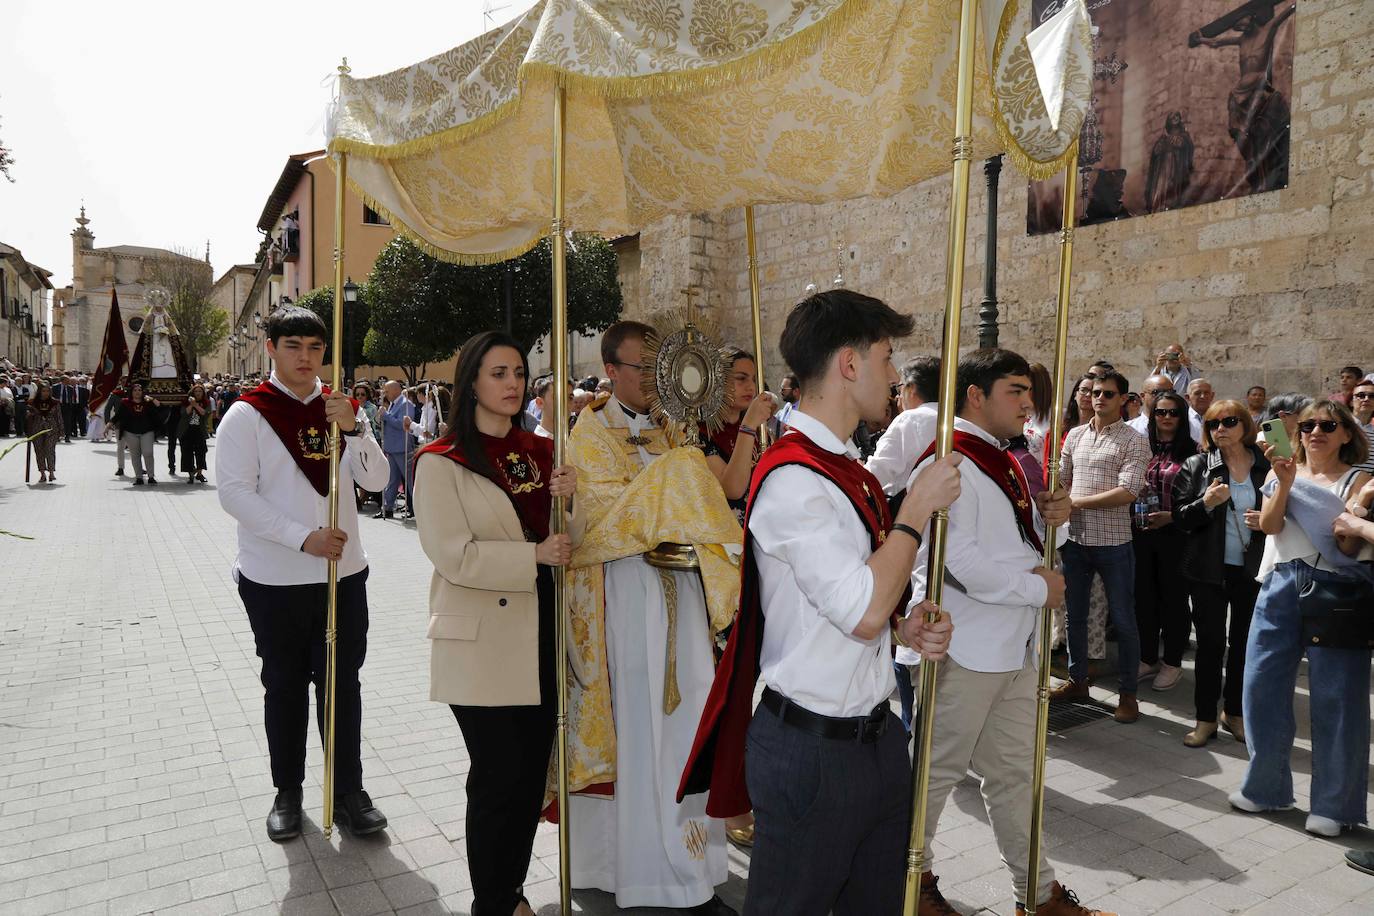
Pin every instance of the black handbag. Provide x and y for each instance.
(1337, 615)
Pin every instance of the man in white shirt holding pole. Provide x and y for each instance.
(272, 468)
(826, 567)
(995, 585)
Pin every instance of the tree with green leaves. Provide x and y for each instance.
(424, 308)
(321, 302)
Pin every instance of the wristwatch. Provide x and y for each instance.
(352, 432)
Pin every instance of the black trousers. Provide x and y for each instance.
(1215, 640)
(288, 626)
(508, 751)
(831, 821)
(1161, 596)
(193, 450)
(69, 420)
(81, 419)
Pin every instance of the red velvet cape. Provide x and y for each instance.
(1006, 472)
(716, 764)
(302, 429)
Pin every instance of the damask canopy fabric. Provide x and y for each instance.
(681, 106)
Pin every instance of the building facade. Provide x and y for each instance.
(25, 310)
(1270, 289)
(130, 270)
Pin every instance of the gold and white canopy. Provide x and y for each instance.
(679, 106)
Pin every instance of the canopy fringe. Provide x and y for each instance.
(1034, 169)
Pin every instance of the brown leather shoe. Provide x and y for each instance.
(1069, 691)
(1127, 710)
(933, 903)
(1062, 902)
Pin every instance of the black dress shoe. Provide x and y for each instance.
(384, 513)
(119, 472)
(713, 907)
(355, 811)
(284, 820)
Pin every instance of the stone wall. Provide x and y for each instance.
(1275, 289)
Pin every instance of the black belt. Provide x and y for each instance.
(866, 729)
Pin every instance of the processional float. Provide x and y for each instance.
(605, 115)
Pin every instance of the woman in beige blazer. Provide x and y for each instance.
(484, 497)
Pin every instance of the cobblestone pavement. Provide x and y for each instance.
(133, 772)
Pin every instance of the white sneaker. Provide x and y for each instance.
(1168, 677)
(1146, 671)
(1241, 803)
(1323, 826)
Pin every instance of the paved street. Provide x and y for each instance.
(133, 771)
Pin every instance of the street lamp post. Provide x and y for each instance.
(350, 300)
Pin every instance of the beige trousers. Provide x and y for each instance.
(985, 722)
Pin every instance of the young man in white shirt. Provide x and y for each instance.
(828, 771)
(995, 582)
(272, 468)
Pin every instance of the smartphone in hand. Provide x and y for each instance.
(1276, 434)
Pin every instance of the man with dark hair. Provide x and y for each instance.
(647, 623)
(1255, 399)
(1103, 464)
(913, 430)
(273, 474)
(985, 709)
(827, 569)
(789, 393)
(1349, 376)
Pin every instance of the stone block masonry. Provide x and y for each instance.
(1273, 289)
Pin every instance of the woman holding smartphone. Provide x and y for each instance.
(485, 492)
(1330, 444)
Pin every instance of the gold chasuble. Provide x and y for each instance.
(631, 508)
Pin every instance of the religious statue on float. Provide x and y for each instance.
(159, 357)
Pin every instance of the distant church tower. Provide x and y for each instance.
(83, 240)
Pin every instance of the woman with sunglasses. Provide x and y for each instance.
(1330, 444)
(1161, 596)
(1216, 498)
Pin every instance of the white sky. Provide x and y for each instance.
(172, 120)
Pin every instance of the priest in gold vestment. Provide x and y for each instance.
(641, 647)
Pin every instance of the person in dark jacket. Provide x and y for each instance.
(1161, 594)
(191, 429)
(1216, 501)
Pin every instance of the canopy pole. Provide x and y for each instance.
(1061, 352)
(331, 627)
(944, 440)
(755, 310)
(559, 343)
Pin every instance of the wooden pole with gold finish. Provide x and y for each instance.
(1061, 351)
(331, 668)
(558, 517)
(944, 439)
(754, 308)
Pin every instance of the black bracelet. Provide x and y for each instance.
(907, 529)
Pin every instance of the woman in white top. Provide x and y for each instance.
(1330, 444)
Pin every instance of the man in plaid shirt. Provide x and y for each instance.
(1103, 466)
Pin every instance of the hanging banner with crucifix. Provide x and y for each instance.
(1190, 105)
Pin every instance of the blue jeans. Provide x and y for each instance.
(906, 691)
(397, 462)
(1338, 683)
(1116, 566)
